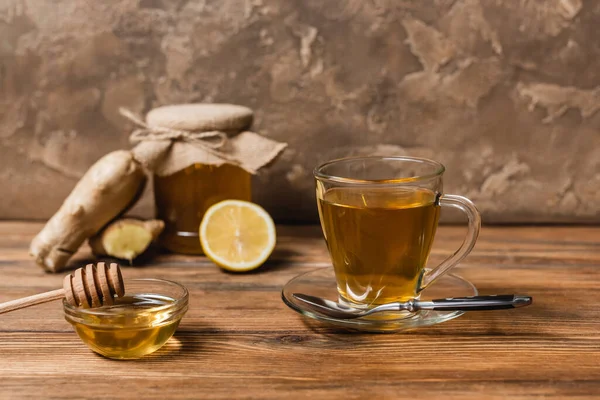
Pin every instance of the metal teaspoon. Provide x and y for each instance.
(472, 303)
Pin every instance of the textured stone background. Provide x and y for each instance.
(505, 93)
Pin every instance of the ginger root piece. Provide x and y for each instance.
(126, 238)
(112, 185)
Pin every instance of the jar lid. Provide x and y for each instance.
(201, 117)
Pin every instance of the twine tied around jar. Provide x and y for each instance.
(210, 141)
(174, 137)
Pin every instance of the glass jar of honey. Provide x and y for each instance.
(199, 155)
(183, 197)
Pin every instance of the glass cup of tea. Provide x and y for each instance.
(379, 217)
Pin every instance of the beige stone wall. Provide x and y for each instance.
(505, 93)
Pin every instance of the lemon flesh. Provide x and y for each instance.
(237, 235)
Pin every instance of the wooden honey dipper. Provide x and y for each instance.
(89, 286)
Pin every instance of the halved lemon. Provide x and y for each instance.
(237, 235)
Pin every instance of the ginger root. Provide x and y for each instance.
(126, 238)
(112, 185)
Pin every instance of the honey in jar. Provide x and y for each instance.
(199, 154)
(183, 197)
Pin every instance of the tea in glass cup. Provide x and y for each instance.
(379, 217)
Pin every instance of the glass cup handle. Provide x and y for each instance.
(467, 206)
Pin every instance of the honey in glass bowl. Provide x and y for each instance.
(137, 324)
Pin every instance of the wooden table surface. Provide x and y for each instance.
(238, 340)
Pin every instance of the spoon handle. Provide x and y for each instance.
(31, 300)
(474, 303)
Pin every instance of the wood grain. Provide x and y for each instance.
(239, 340)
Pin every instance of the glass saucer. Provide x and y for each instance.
(321, 282)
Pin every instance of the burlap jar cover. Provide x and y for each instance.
(174, 137)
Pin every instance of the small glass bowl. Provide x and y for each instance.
(142, 323)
